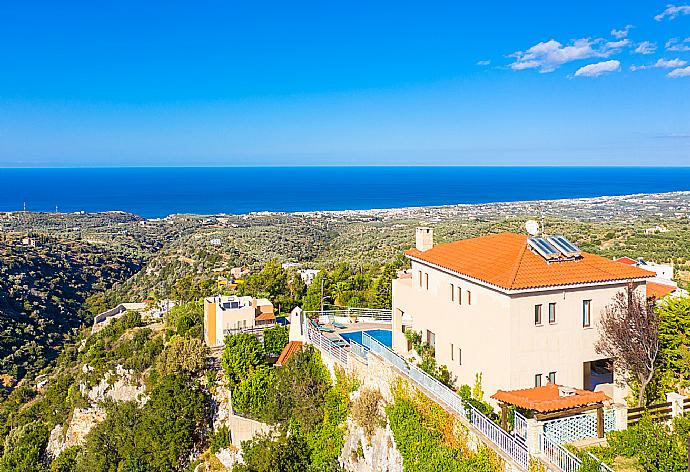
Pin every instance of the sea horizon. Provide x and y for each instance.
(155, 191)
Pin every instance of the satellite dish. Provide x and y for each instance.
(532, 227)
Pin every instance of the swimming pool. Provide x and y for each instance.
(384, 336)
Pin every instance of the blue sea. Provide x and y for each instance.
(160, 191)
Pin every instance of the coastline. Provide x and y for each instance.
(607, 207)
(158, 192)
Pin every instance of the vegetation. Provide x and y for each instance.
(242, 354)
(84, 264)
(430, 439)
(307, 410)
(629, 333)
(275, 340)
(159, 436)
(182, 356)
(647, 445)
(42, 292)
(365, 411)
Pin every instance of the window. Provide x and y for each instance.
(537, 380)
(469, 297)
(431, 339)
(586, 313)
(426, 280)
(459, 296)
(552, 377)
(537, 315)
(452, 352)
(420, 278)
(552, 313)
(452, 292)
(459, 356)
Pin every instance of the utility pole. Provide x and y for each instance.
(322, 281)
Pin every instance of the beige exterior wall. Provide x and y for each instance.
(496, 331)
(216, 320)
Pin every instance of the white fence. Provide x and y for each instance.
(382, 315)
(558, 455)
(315, 337)
(576, 427)
(520, 426)
(509, 444)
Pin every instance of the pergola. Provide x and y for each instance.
(553, 401)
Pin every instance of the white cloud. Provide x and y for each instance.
(483, 63)
(670, 63)
(675, 44)
(662, 64)
(676, 73)
(646, 47)
(673, 11)
(615, 46)
(595, 70)
(550, 55)
(621, 33)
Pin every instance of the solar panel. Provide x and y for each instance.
(544, 248)
(566, 247)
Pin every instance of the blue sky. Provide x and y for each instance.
(283, 83)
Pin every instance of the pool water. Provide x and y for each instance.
(384, 336)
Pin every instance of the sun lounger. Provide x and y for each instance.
(338, 325)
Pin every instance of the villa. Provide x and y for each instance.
(518, 311)
(660, 286)
(225, 315)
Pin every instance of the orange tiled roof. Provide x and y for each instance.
(290, 348)
(626, 261)
(265, 317)
(658, 290)
(548, 398)
(505, 260)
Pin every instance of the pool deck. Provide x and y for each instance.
(354, 327)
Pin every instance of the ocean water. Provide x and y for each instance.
(160, 191)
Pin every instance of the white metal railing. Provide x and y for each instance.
(602, 466)
(504, 441)
(376, 314)
(358, 350)
(565, 460)
(324, 344)
(520, 426)
(558, 455)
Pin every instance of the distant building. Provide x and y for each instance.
(31, 242)
(308, 275)
(103, 319)
(239, 272)
(225, 315)
(660, 286)
(503, 307)
(655, 229)
(215, 242)
(224, 283)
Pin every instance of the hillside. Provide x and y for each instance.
(42, 292)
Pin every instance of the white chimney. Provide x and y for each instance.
(425, 239)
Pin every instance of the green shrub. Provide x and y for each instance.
(220, 439)
(66, 461)
(182, 356)
(250, 396)
(24, 447)
(275, 340)
(365, 411)
(241, 355)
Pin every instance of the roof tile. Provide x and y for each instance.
(505, 261)
(548, 398)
